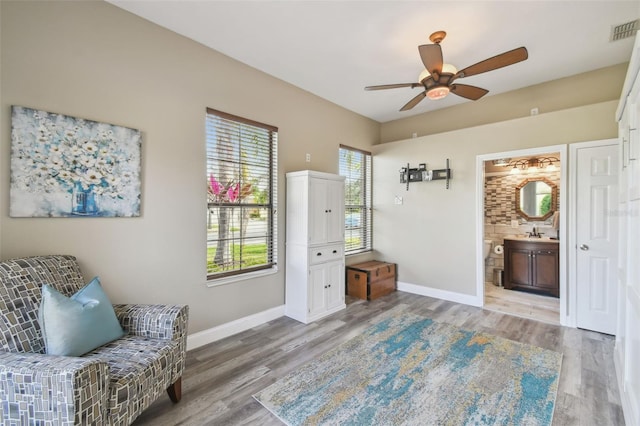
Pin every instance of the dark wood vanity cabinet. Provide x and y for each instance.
(532, 265)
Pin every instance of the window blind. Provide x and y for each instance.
(241, 195)
(355, 166)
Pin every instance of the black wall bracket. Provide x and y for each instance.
(421, 174)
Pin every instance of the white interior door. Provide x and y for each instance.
(596, 237)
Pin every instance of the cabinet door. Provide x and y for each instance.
(335, 284)
(520, 267)
(546, 270)
(318, 211)
(317, 291)
(335, 215)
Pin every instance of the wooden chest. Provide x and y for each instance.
(370, 280)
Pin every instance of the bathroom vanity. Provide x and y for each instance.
(532, 264)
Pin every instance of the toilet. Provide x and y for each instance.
(487, 248)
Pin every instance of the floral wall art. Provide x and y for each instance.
(64, 166)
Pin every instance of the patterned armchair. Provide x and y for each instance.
(110, 385)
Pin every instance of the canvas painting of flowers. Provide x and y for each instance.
(63, 166)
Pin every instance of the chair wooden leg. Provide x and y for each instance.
(175, 390)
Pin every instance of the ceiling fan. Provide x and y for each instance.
(438, 78)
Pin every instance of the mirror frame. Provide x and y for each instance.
(554, 199)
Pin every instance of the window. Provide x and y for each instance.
(355, 166)
(241, 195)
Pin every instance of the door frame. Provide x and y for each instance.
(573, 214)
(566, 307)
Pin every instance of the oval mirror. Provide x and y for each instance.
(536, 198)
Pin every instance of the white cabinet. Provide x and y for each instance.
(326, 211)
(326, 288)
(627, 350)
(315, 245)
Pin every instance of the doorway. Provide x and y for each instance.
(497, 219)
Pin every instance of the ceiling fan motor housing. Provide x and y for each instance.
(438, 77)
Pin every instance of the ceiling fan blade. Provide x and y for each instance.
(392, 86)
(470, 92)
(413, 102)
(502, 60)
(431, 55)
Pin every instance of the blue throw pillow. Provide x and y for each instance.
(77, 325)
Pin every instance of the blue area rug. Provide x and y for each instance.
(410, 370)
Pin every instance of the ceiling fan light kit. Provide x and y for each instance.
(438, 78)
(438, 92)
(446, 69)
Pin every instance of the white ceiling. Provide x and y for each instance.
(335, 48)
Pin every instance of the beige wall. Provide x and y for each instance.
(93, 60)
(578, 90)
(432, 236)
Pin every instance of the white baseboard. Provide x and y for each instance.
(214, 334)
(625, 399)
(450, 296)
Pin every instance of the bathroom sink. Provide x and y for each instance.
(532, 239)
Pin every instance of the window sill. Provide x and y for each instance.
(241, 277)
(356, 253)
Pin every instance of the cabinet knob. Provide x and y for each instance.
(584, 247)
(335, 251)
(319, 254)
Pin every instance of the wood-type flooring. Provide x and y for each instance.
(522, 304)
(221, 376)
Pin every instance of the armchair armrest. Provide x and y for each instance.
(154, 321)
(158, 322)
(52, 389)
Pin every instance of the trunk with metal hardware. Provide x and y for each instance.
(371, 280)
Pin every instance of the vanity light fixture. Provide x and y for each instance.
(517, 166)
(532, 164)
(532, 167)
(501, 162)
(550, 163)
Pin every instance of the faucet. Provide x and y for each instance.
(535, 233)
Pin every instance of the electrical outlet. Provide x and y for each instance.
(398, 200)
(514, 223)
(534, 111)
(308, 158)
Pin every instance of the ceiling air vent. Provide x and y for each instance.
(626, 30)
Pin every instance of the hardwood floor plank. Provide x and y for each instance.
(523, 304)
(567, 410)
(221, 377)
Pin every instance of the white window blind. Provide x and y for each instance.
(355, 166)
(241, 195)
